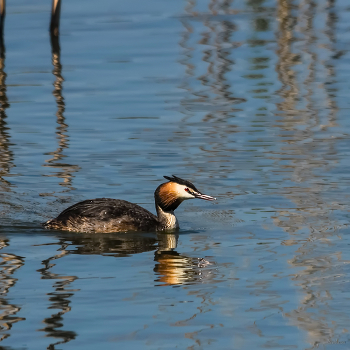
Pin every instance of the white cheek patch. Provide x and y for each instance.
(182, 193)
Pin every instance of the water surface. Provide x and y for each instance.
(249, 100)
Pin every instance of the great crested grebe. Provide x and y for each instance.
(115, 215)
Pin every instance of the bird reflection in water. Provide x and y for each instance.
(172, 268)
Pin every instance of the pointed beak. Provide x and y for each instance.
(204, 196)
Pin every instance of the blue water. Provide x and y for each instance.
(249, 101)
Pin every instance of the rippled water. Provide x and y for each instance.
(249, 100)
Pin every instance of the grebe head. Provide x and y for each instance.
(170, 195)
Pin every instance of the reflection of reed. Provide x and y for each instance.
(62, 128)
(2, 26)
(315, 279)
(331, 102)
(8, 265)
(215, 86)
(210, 98)
(287, 59)
(9, 262)
(6, 159)
(59, 299)
(309, 155)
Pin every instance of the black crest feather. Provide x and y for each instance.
(180, 181)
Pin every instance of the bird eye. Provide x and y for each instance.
(187, 190)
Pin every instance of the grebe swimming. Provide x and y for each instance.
(116, 215)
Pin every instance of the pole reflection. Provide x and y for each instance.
(9, 264)
(216, 38)
(211, 98)
(318, 268)
(6, 159)
(59, 299)
(66, 170)
(307, 146)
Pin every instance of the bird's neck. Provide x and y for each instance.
(167, 219)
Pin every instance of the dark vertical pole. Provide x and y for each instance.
(54, 26)
(55, 17)
(2, 22)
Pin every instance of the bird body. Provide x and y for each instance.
(115, 215)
